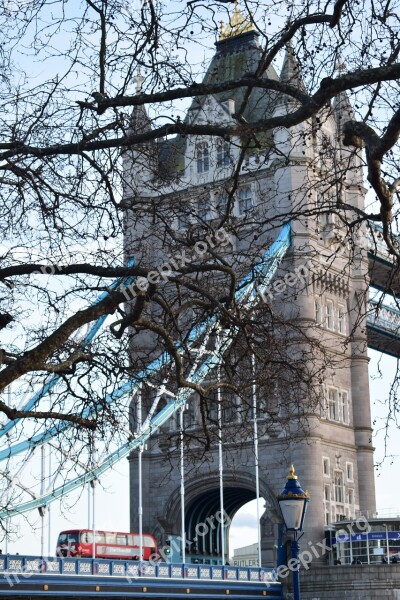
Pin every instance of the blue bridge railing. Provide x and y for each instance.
(383, 318)
(17, 567)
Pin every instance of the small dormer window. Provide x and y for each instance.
(223, 154)
(245, 200)
(202, 158)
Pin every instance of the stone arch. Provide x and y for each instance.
(203, 519)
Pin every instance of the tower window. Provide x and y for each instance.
(349, 471)
(341, 319)
(204, 209)
(223, 154)
(245, 200)
(327, 492)
(344, 407)
(338, 482)
(182, 222)
(202, 158)
(329, 314)
(325, 466)
(318, 311)
(222, 202)
(333, 404)
(350, 496)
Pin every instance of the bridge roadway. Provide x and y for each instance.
(32, 577)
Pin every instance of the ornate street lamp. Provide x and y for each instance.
(293, 502)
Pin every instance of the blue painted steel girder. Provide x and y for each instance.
(247, 296)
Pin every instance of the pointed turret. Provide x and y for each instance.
(291, 142)
(341, 103)
(140, 161)
(139, 121)
(343, 112)
(291, 72)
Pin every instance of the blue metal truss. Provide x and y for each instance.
(246, 297)
(89, 337)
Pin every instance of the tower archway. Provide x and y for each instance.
(204, 522)
(203, 518)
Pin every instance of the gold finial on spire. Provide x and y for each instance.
(238, 23)
(291, 473)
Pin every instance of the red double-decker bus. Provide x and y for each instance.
(108, 544)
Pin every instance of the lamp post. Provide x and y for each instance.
(293, 502)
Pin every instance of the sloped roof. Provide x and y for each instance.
(235, 58)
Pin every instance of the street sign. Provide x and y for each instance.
(362, 537)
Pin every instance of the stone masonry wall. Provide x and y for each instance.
(358, 582)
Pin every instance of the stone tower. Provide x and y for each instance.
(322, 424)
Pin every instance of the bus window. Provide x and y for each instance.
(86, 537)
(111, 537)
(62, 538)
(130, 539)
(100, 537)
(121, 539)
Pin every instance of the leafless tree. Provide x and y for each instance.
(73, 109)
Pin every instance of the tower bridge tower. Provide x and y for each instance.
(294, 175)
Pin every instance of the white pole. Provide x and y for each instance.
(88, 506)
(42, 468)
(387, 544)
(351, 548)
(48, 514)
(92, 484)
(253, 364)
(93, 519)
(140, 480)
(7, 496)
(221, 468)
(183, 532)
